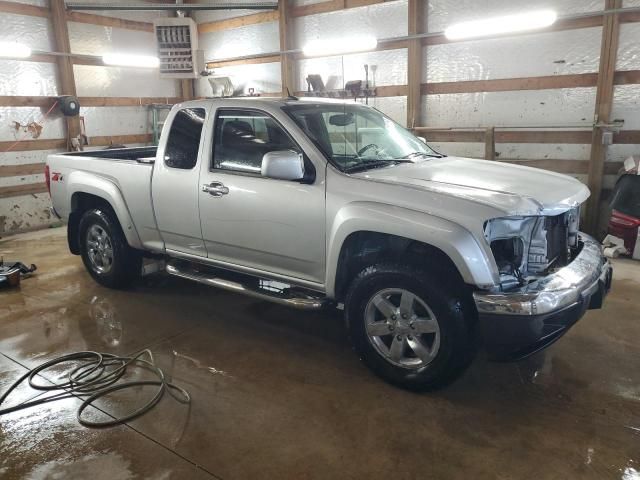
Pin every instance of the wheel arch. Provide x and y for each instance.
(362, 229)
(97, 193)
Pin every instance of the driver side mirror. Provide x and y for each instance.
(422, 139)
(283, 165)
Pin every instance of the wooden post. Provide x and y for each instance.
(286, 61)
(490, 143)
(66, 79)
(417, 17)
(186, 89)
(604, 100)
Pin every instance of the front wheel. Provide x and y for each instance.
(407, 328)
(105, 252)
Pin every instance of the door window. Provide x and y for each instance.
(243, 137)
(184, 139)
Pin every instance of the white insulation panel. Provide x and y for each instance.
(629, 47)
(626, 105)
(518, 108)
(443, 13)
(551, 53)
(31, 31)
(238, 42)
(52, 126)
(27, 78)
(90, 39)
(383, 20)
(394, 107)
(98, 81)
(116, 120)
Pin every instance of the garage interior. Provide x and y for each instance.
(275, 392)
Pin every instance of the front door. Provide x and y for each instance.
(259, 223)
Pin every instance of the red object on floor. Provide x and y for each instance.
(625, 227)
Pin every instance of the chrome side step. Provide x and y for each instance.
(301, 302)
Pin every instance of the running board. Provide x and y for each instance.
(303, 301)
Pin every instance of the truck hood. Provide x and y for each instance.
(513, 189)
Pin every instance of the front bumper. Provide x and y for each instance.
(520, 322)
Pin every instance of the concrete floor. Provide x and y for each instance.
(279, 394)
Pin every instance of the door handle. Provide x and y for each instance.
(215, 189)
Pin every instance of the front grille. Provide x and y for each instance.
(557, 241)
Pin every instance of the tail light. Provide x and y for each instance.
(47, 178)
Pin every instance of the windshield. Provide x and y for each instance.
(355, 137)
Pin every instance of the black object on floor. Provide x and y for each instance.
(11, 272)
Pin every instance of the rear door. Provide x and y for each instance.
(258, 223)
(175, 182)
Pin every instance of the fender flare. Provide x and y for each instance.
(83, 182)
(473, 263)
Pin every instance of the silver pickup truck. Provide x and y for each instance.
(311, 204)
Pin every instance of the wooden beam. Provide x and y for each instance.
(187, 89)
(17, 190)
(30, 145)
(245, 61)
(126, 101)
(26, 101)
(604, 101)
(19, 170)
(105, 21)
(516, 136)
(287, 77)
(574, 167)
(540, 136)
(627, 136)
(66, 79)
(46, 102)
(332, 6)
(490, 144)
(237, 22)
(106, 140)
(23, 9)
(416, 21)
(511, 84)
(382, 91)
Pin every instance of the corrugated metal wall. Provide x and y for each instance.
(553, 53)
(39, 79)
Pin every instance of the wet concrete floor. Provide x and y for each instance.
(279, 394)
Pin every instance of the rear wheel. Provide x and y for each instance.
(105, 252)
(407, 328)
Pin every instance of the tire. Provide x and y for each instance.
(429, 348)
(101, 238)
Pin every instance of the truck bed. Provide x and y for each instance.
(129, 170)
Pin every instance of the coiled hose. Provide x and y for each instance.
(97, 375)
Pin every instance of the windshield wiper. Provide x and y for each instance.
(366, 165)
(423, 154)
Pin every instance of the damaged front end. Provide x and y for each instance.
(528, 248)
(550, 275)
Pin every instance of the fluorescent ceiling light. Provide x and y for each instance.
(501, 25)
(142, 61)
(14, 50)
(338, 46)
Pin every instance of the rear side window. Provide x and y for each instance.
(184, 139)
